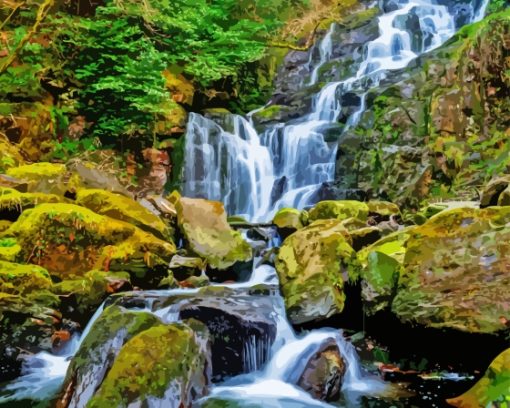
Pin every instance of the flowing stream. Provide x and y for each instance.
(284, 166)
(228, 160)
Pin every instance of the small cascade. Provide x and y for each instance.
(285, 166)
(325, 51)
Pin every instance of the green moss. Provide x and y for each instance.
(288, 218)
(383, 208)
(68, 239)
(122, 208)
(148, 364)
(208, 234)
(455, 271)
(14, 200)
(339, 210)
(492, 390)
(23, 279)
(310, 265)
(37, 171)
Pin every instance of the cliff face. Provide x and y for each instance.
(439, 129)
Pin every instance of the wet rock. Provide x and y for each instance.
(381, 267)
(492, 193)
(123, 208)
(288, 220)
(174, 373)
(70, 240)
(339, 210)
(491, 389)
(455, 271)
(310, 265)
(184, 267)
(88, 175)
(324, 372)
(208, 234)
(98, 352)
(364, 236)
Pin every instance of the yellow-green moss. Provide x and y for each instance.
(13, 199)
(9, 249)
(68, 239)
(383, 208)
(9, 155)
(122, 208)
(492, 390)
(23, 279)
(208, 234)
(288, 218)
(148, 364)
(339, 210)
(455, 271)
(37, 171)
(310, 264)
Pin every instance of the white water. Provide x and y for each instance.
(255, 175)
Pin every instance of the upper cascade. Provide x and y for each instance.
(286, 165)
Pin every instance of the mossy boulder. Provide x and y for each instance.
(80, 297)
(38, 171)
(98, 350)
(310, 264)
(288, 220)
(492, 390)
(382, 209)
(23, 279)
(495, 192)
(69, 240)
(429, 210)
(122, 208)
(455, 271)
(363, 237)
(340, 210)
(381, 266)
(13, 203)
(161, 365)
(208, 234)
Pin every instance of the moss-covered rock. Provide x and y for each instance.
(455, 271)
(81, 296)
(208, 234)
(161, 365)
(363, 237)
(310, 265)
(122, 208)
(492, 193)
(23, 279)
(492, 390)
(288, 220)
(98, 350)
(339, 210)
(38, 171)
(70, 240)
(383, 209)
(13, 203)
(10, 155)
(381, 266)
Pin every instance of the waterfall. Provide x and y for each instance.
(284, 166)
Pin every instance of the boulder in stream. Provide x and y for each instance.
(311, 265)
(208, 234)
(324, 372)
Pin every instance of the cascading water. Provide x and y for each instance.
(286, 165)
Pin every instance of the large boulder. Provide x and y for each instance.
(324, 372)
(455, 271)
(122, 208)
(381, 266)
(164, 366)
(492, 390)
(208, 234)
(311, 265)
(69, 240)
(98, 351)
(340, 210)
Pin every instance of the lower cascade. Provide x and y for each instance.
(238, 318)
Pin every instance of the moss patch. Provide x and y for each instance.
(339, 210)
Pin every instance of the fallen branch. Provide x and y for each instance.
(41, 15)
(14, 10)
(306, 47)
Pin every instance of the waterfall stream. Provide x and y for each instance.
(284, 166)
(228, 160)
